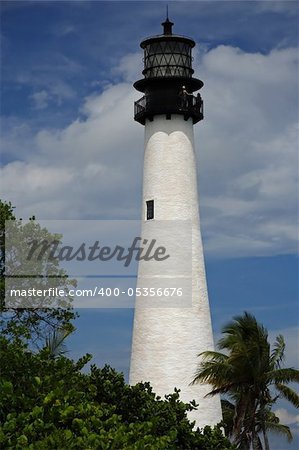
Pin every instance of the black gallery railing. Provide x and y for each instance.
(188, 105)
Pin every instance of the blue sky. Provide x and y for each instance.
(71, 150)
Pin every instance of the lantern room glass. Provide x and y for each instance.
(167, 58)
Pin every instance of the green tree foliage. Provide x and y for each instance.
(48, 403)
(44, 315)
(252, 376)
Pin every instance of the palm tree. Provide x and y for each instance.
(248, 373)
(266, 420)
(55, 342)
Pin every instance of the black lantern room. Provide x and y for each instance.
(168, 84)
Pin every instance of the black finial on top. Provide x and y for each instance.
(167, 25)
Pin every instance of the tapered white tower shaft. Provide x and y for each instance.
(167, 340)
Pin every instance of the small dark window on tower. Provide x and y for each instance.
(149, 209)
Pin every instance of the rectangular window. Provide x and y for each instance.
(149, 209)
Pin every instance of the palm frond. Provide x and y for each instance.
(279, 428)
(285, 375)
(277, 355)
(55, 341)
(216, 374)
(288, 393)
(225, 389)
(215, 356)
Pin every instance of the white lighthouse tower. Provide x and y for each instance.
(167, 338)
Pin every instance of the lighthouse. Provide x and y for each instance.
(170, 332)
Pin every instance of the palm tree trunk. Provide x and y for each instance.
(266, 440)
(256, 442)
(239, 416)
(263, 426)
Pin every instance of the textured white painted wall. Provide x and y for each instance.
(166, 341)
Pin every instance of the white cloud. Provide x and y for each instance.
(250, 67)
(48, 78)
(246, 145)
(36, 179)
(247, 151)
(60, 90)
(129, 67)
(40, 99)
(82, 170)
(287, 418)
(57, 91)
(283, 6)
(64, 29)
